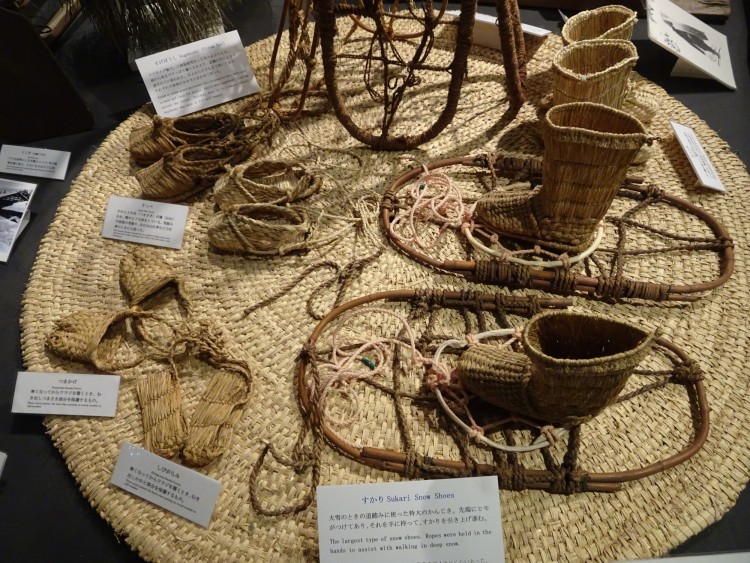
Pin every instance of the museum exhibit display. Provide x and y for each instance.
(406, 257)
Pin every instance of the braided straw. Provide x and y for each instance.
(593, 71)
(265, 181)
(260, 229)
(164, 428)
(606, 22)
(191, 169)
(149, 143)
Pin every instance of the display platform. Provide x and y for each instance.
(75, 269)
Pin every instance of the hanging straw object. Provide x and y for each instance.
(593, 71)
(259, 229)
(149, 143)
(606, 22)
(191, 169)
(164, 427)
(385, 382)
(265, 181)
(700, 241)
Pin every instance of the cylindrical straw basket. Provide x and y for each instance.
(593, 71)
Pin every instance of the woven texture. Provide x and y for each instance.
(77, 269)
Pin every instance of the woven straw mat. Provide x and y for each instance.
(77, 269)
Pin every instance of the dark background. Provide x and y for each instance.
(43, 516)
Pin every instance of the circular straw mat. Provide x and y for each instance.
(77, 270)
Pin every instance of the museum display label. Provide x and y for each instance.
(198, 75)
(145, 222)
(431, 520)
(33, 161)
(164, 483)
(699, 160)
(66, 393)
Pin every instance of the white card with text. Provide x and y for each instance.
(78, 394)
(701, 50)
(171, 486)
(32, 161)
(15, 199)
(198, 75)
(487, 34)
(699, 160)
(428, 521)
(145, 222)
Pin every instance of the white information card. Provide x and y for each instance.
(32, 161)
(80, 394)
(198, 75)
(425, 521)
(486, 33)
(164, 483)
(145, 222)
(699, 160)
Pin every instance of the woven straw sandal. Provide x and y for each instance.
(150, 142)
(259, 229)
(191, 169)
(588, 149)
(574, 365)
(606, 22)
(164, 425)
(593, 71)
(265, 181)
(92, 338)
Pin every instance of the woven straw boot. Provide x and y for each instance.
(587, 150)
(593, 71)
(574, 365)
(605, 22)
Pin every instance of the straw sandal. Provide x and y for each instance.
(92, 338)
(191, 169)
(164, 425)
(265, 181)
(574, 365)
(606, 22)
(143, 274)
(150, 142)
(260, 229)
(588, 148)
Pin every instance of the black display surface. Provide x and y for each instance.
(43, 516)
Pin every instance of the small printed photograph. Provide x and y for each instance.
(701, 47)
(15, 198)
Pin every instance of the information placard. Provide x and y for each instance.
(164, 483)
(426, 521)
(699, 160)
(145, 222)
(33, 161)
(198, 75)
(82, 394)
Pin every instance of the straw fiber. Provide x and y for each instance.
(267, 307)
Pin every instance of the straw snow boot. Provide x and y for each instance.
(587, 150)
(605, 22)
(574, 365)
(593, 71)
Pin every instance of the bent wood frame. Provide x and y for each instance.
(585, 286)
(396, 461)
